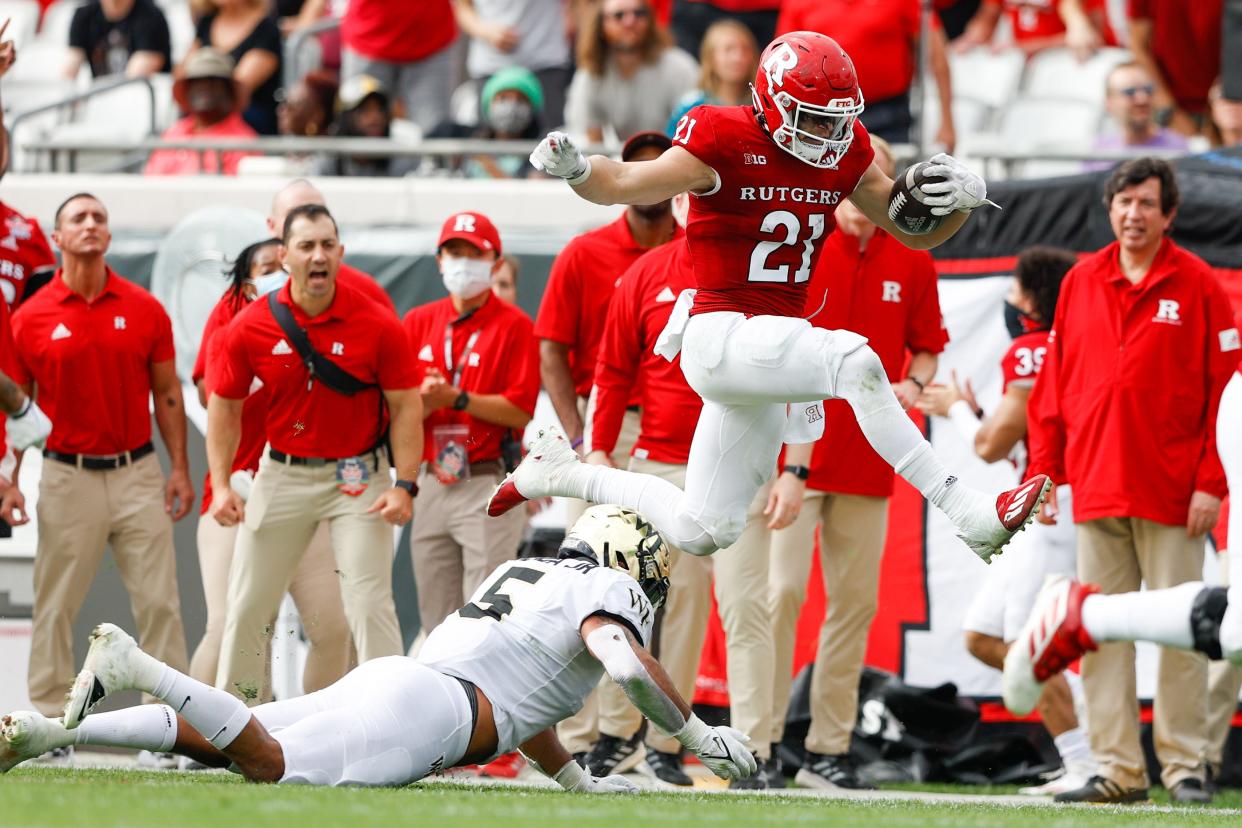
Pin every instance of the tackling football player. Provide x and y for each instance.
(495, 676)
(766, 180)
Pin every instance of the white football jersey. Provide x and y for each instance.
(518, 639)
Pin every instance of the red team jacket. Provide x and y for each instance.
(1125, 406)
(756, 237)
(23, 250)
(639, 311)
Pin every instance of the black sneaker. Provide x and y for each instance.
(665, 768)
(830, 773)
(608, 752)
(773, 771)
(1190, 791)
(767, 776)
(1102, 790)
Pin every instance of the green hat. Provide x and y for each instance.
(513, 77)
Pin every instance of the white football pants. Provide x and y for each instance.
(1229, 447)
(390, 721)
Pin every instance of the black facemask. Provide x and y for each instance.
(1017, 321)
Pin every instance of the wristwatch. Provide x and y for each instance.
(800, 472)
(409, 485)
(463, 400)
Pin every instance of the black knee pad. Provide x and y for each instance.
(1205, 618)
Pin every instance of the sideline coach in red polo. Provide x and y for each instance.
(1124, 410)
(96, 348)
(327, 458)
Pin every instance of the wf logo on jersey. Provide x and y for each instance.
(1168, 312)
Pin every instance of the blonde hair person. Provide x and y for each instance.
(600, 37)
(728, 59)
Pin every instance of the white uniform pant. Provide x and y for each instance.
(1229, 447)
(747, 370)
(389, 722)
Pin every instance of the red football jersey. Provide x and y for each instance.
(23, 250)
(1022, 361)
(754, 240)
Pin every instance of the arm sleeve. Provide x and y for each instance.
(616, 366)
(623, 600)
(266, 37)
(229, 373)
(1017, 368)
(698, 137)
(399, 372)
(162, 348)
(523, 383)
(562, 299)
(1223, 350)
(151, 34)
(79, 29)
(41, 254)
(925, 329)
(204, 345)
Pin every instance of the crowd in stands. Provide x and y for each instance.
(606, 69)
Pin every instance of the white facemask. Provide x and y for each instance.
(269, 282)
(465, 278)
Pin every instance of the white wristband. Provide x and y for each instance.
(582, 176)
(694, 733)
(965, 421)
(571, 776)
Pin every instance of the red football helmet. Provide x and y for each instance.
(807, 97)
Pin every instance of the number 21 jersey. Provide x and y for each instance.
(754, 240)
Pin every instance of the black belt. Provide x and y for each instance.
(295, 460)
(102, 463)
(472, 694)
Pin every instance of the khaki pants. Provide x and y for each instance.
(454, 545)
(852, 534)
(316, 591)
(286, 505)
(581, 729)
(80, 512)
(1119, 554)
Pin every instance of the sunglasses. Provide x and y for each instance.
(1130, 91)
(637, 14)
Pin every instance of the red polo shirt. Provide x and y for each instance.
(398, 32)
(886, 292)
(504, 359)
(254, 410)
(91, 363)
(1185, 42)
(365, 284)
(575, 302)
(23, 250)
(638, 313)
(877, 36)
(1125, 406)
(309, 419)
(1032, 19)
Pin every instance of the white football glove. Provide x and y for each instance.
(573, 777)
(962, 190)
(28, 427)
(558, 155)
(724, 751)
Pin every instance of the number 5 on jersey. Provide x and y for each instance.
(776, 222)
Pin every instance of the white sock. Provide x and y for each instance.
(1074, 749)
(217, 715)
(145, 727)
(656, 499)
(925, 472)
(1161, 616)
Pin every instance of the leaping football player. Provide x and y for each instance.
(766, 180)
(495, 676)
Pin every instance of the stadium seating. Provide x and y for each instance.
(1058, 73)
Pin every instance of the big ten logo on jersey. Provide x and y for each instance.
(1028, 361)
(753, 158)
(641, 605)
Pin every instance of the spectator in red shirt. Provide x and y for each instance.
(99, 348)
(1039, 25)
(328, 449)
(882, 38)
(315, 586)
(208, 92)
(405, 46)
(692, 18)
(868, 282)
(480, 372)
(1124, 410)
(1180, 46)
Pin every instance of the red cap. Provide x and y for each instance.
(475, 228)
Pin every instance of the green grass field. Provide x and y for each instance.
(131, 799)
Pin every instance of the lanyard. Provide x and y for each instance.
(448, 352)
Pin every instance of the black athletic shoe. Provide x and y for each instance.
(665, 768)
(768, 776)
(830, 773)
(608, 752)
(1190, 791)
(1102, 790)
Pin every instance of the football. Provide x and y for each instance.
(905, 201)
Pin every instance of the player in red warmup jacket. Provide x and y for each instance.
(766, 180)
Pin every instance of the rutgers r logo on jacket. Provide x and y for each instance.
(1168, 312)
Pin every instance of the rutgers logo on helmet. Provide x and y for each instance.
(620, 539)
(806, 96)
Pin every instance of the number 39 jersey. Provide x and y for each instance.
(1021, 363)
(755, 239)
(518, 639)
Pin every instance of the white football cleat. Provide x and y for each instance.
(1068, 781)
(1052, 638)
(112, 664)
(1015, 509)
(538, 475)
(28, 735)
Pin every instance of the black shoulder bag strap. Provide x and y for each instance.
(319, 366)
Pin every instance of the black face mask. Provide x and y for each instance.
(1017, 321)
